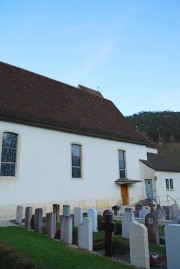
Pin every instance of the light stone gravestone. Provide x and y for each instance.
(172, 236)
(92, 213)
(19, 214)
(50, 225)
(127, 218)
(139, 248)
(38, 220)
(56, 209)
(28, 217)
(151, 222)
(66, 210)
(176, 219)
(143, 212)
(78, 216)
(66, 230)
(85, 235)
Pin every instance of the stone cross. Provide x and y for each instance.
(108, 226)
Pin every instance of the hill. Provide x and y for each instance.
(163, 130)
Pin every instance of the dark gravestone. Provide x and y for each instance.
(115, 208)
(56, 209)
(38, 220)
(138, 207)
(151, 222)
(107, 212)
(108, 226)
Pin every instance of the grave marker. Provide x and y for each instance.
(172, 236)
(66, 230)
(108, 226)
(78, 216)
(92, 213)
(127, 218)
(151, 222)
(28, 217)
(56, 209)
(19, 214)
(51, 224)
(85, 238)
(139, 248)
(38, 220)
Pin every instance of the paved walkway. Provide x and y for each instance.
(5, 222)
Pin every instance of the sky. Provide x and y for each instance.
(129, 50)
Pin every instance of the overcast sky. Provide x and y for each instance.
(129, 50)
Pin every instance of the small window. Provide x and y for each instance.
(121, 156)
(8, 154)
(76, 160)
(169, 184)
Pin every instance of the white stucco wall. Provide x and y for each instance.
(161, 187)
(44, 176)
(152, 150)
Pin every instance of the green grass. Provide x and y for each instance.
(50, 254)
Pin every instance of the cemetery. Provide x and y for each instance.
(140, 237)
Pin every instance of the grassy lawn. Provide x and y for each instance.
(50, 254)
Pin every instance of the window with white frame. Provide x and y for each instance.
(8, 154)
(169, 184)
(76, 160)
(122, 166)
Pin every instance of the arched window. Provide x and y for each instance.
(8, 154)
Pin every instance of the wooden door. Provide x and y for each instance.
(124, 194)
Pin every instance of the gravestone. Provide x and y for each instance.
(172, 236)
(50, 224)
(143, 212)
(78, 216)
(170, 211)
(66, 230)
(138, 207)
(176, 219)
(127, 218)
(19, 214)
(151, 222)
(128, 210)
(92, 213)
(28, 217)
(38, 220)
(56, 209)
(139, 248)
(66, 210)
(108, 226)
(116, 208)
(85, 237)
(107, 212)
(160, 213)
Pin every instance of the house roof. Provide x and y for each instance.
(159, 163)
(33, 99)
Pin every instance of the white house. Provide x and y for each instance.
(67, 145)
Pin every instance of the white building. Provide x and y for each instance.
(67, 145)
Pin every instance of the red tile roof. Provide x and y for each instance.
(29, 98)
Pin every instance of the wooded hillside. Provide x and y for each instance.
(163, 130)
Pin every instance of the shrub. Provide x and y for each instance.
(118, 227)
(75, 236)
(32, 222)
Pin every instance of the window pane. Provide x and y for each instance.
(171, 184)
(76, 160)
(122, 173)
(8, 154)
(8, 169)
(121, 155)
(76, 172)
(167, 183)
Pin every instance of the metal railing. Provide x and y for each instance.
(168, 199)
